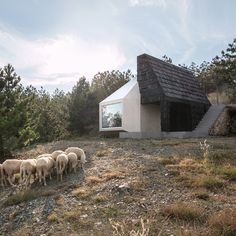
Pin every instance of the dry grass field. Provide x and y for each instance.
(131, 187)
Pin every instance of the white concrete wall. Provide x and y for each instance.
(135, 117)
(131, 111)
(150, 118)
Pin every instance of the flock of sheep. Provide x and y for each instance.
(42, 166)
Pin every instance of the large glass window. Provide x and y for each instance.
(112, 115)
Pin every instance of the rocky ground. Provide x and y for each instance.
(150, 187)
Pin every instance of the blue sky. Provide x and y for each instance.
(51, 43)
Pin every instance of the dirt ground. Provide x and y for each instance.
(129, 187)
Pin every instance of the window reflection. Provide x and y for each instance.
(112, 115)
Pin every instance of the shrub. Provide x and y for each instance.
(52, 217)
(223, 222)
(121, 229)
(228, 172)
(82, 192)
(93, 180)
(221, 156)
(109, 212)
(168, 161)
(101, 198)
(20, 197)
(112, 174)
(209, 182)
(183, 211)
(73, 215)
(201, 194)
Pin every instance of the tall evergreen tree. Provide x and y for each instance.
(10, 112)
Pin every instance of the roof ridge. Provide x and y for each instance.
(167, 63)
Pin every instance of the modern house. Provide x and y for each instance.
(164, 98)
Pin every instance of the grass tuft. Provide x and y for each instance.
(24, 196)
(52, 217)
(201, 194)
(223, 222)
(228, 172)
(81, 192)
(93, 180)
(209, 182)
(112, 175)
(72, 216)
(184, 212)
(101, 198)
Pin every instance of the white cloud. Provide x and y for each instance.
(59, 60)
(157, 3)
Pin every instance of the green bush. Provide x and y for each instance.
(20, 197)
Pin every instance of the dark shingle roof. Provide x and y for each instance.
(175, 82)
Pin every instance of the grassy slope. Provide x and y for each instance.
(167, 182)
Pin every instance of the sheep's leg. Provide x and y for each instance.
(13, 178)
(28, 179)
(4, 181)
(65, 168)
(50, 175)
(10, 180)
(21, 176)
(82, 167)
(39, 176)
(44, 179)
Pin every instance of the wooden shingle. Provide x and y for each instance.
(172, 82)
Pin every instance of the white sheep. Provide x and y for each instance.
(44, 155)
(80, 154)
(11, 167)
(27, 168)
(56, 153)
(61, 165)
(72, 161)
(2, 176)
(44, 167)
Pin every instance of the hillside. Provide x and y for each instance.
(164, 187)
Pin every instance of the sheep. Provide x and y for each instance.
(72, 161)
(80, 154)
(44, 155)
(11, 167)
(27, 168)
(44, 166)
(2, 176)
(61, 165)
(56, 153)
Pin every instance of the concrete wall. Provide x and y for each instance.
(131, 111)
(135, 117)
(150, 118)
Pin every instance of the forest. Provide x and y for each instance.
(29, 115)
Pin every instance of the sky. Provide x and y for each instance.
(52, 43)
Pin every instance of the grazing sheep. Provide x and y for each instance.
(61, 165)
(80, 154)
(72, 161)
(27, 168)
(44, 167)
(44, 155)
(2, 177)
(11, 167)
(56, 153)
